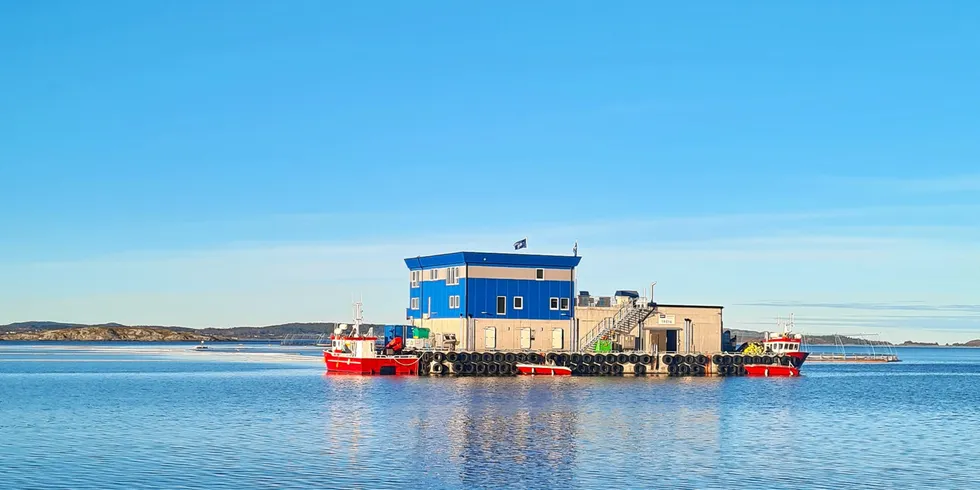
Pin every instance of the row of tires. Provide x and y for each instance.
(728, 360)
(685, 369)
(468, 368)
(585, 364)
(485, 357)
(556, 358)
(604, 369)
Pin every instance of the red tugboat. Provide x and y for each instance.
(351, 353)
(788, 346)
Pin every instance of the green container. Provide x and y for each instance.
(604, 346)
(421, 333)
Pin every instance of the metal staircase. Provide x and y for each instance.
(624, 322)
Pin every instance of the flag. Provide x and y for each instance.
(522, 243)
(575, 249)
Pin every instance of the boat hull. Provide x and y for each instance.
(543, 370)
(372, 366)
(771, 371)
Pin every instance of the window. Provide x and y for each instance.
(454, 302)
(490, 338)
(416, 275)
(564, 303)
(415, 303)
(452, 276)
(539, 274)
(501, 305)
(433, 274)
(554, 304)
(518, 302)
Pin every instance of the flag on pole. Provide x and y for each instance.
(575, 249)
(522, 243)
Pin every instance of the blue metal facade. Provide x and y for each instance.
(478, 297)
(536, 297)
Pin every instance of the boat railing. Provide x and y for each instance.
(298, 339)
(852, 357)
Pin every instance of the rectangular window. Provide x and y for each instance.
(415, 303)
(518, 302)
(564, 303)
(554, 304)
(501, 305)
(454, 302)
(539, 274)
(415, 278)
(452, 276)
(433, 274)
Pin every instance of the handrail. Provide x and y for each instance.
(607, 324)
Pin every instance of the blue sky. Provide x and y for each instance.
(246, 163)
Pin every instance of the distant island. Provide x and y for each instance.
(55, 331)
(110, 333)
(753, 336)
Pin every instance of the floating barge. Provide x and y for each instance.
(352, 353)
(505, 314)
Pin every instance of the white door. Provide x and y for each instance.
(558, 339)
(525, 338)
(490, 338)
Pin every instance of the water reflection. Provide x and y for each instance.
(502, 432)
(215, 425)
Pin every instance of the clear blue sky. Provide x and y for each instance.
(244, 163)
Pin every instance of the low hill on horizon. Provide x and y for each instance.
(104, 333)
(271, 332)
(36, 329)
(753, 336)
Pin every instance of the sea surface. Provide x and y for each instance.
(100, 416)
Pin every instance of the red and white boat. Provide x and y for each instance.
(543, 370)
(351, 353)
(789, 346)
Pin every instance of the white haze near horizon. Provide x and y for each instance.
(838, 271)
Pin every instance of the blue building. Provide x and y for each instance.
(495, 301)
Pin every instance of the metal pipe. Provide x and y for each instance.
(687, 335)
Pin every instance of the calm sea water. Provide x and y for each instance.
(131, 416)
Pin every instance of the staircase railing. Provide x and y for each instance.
(623, 321)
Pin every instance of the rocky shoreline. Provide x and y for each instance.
(108, 334)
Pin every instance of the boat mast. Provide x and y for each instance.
(357, 319)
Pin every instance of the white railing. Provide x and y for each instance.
(628, 313)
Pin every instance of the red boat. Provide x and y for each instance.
(786, 344)
(354, 354)
(543, 370)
